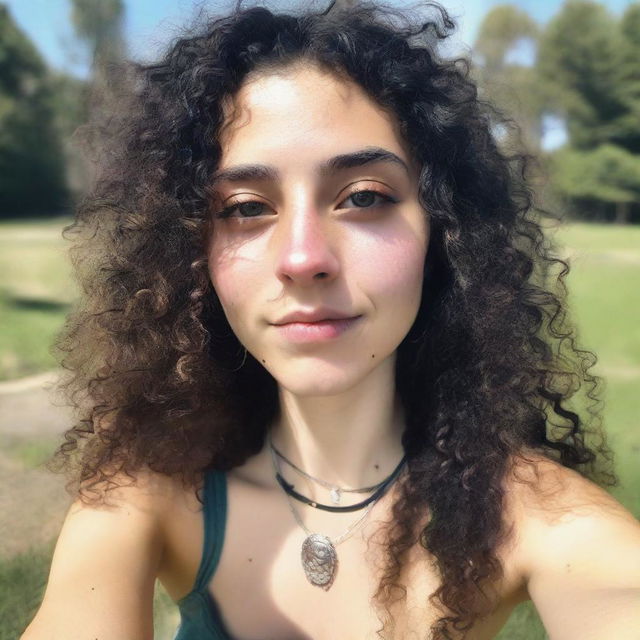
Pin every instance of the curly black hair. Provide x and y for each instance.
(490, 369)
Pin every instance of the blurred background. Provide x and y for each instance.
(569, 75)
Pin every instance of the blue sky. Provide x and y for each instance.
(149, 24)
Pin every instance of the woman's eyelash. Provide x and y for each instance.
(384, 196)
(227, 211)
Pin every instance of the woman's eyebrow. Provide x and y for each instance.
(244, 172)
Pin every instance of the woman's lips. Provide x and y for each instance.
(315, 331)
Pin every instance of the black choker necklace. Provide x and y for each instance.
(353, 507)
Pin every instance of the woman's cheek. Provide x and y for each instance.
(240, 288)
(394, 271)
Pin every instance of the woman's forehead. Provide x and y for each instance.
(304, 113)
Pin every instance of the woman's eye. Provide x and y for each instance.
(367, 198)
(363, 199)
(248, 209)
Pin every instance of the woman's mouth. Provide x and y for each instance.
(322, 330)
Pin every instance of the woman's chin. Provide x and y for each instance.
(319, 377)
(318, 380)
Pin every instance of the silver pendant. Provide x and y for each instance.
(319, 560)
(335, 495)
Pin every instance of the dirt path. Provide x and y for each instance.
(33, 502)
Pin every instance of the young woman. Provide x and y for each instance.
(321, 368)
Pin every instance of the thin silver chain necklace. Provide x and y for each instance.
(335, 491)
(318, 553)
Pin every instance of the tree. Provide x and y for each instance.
(580, 58)
(511, 86)
(99, 24)
(70, 101)
(590, 59)
(32, 176)
(608, 174)
(625, 128)
(501, 30)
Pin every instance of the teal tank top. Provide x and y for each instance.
(199, 615)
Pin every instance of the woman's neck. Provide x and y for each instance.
(352, 439)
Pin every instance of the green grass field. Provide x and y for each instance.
(35, 293)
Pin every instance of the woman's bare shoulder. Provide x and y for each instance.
(570, 539)
(578, 549)
(539, 489)
(150, 491)
(107, 556)
(560, 514)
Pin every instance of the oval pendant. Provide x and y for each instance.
(319, 560)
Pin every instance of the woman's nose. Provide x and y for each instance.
(305, 252)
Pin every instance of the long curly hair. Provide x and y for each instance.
(490, 369)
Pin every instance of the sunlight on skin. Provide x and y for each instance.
(305, 223)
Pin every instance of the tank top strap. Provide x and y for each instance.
(215, 517)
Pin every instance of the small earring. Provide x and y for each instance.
(244, 359)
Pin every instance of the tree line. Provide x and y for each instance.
(41, 171)
(582, 68)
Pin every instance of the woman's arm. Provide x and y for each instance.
(583, 561)
(104, 568)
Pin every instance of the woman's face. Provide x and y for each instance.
(302, 241)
